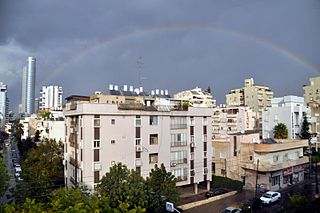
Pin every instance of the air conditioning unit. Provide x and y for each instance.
(71, 130)
(173, 164)
(192, 145)
(205, 170)
(192, 173)
(139, 148)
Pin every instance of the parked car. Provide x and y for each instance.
(17, 174)
(17, 168)
(270, 197)
(215, 192)
(252, 205)
(231, 210)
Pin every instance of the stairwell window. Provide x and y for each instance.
(153, 139)
(153, 158)
(96, 121)
(153, 120)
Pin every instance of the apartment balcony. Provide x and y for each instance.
(174, 163)
(277, 147)
(74, 145)
(265, 166)
(182, 178)
(74, 162)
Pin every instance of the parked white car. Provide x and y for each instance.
(270, 197)
(17, 168)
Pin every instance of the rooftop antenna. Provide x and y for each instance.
(140, 67)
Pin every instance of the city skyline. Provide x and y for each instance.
(209, 44)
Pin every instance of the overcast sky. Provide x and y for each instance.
(85, 45)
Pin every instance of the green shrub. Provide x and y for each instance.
(223, 182)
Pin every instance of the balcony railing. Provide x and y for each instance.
(179, 161)
(74, 162)
(182, 178)
(178, 143)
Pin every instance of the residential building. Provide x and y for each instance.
(251, 95)
(28, 87)
(278, 163)
(312, 100)
(227, 120)
(289, 110)
(51, 98)
(3, 105)
(139, 133)
(197, 97)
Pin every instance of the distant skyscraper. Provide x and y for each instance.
(51, 98)
(28, 86)
(3, 104)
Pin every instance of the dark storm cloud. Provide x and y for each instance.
(176, 58)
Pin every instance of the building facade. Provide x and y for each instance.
(3, 104)
(289, 110)
(28, 87)
(227, 120)
(254, 96)
(197, 97)
(51, 98)
(277, 164)
(140, 135)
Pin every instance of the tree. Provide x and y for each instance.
(4, 177)
(304, 132)
(45, 115)
(37, 136)
(209, 90)
(42, 171)
(280, 131)
(161, 187)
(121, 185)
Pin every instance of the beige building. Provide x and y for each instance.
(312, 100)
(279, 163)
(139, 134)
(197, 97)
(227, 120)
(251, 95)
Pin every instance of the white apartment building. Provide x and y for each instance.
(197, 97)
(51, 98)
(140, 135)
(228, 120)
(289, 110)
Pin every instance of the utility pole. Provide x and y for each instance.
(225, 167)
(256, 192)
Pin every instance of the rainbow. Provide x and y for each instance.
(285, 52)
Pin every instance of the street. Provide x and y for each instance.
(10, 168)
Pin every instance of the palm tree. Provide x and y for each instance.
(280, 131)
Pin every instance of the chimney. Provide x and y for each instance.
(141, 89)
(152, 92)
(161, 92)
(166, 92)
(131, 88)
(125, 88)
(137, 91)
(116, 87)
(157, 91)
(111, 87)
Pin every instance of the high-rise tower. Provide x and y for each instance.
(3, 104)
(28, 86)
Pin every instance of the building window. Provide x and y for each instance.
(138, 170)
(96, 121)
(178, 123)
(275, 158)
(96, 177)
(205, 121)
(153, 139)
(192, 164)
(138, 142)
(138, 154)
(112, 141)
(205, 162)
(96, 155)
(113, 121)
(213, 167)
(138, 121)
(205, 146)
(250, 157)
(138, 132)
(153, 120)
(204, 130)
(191, 130)
(181, 174)
(178, 157)
(179, 139)
(96, 144)
(235, 146)
(96, 133)
(275, 180)
(153, 158)
(191, 121)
